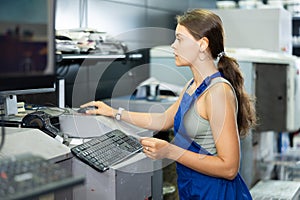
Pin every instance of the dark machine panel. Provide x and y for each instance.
(99, 78)
(271, 96)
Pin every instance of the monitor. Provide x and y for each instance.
(27, 43)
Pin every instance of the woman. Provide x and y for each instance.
(212, 112)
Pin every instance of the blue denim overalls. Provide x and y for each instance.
(193, 185)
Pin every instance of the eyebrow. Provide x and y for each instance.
(179, 35)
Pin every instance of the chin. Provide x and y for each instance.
(179, 62)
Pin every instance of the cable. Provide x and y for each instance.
(2, 132)
(2, 125)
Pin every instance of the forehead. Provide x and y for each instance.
(182, 31)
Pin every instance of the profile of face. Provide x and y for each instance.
(186, 48)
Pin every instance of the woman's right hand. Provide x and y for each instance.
(100, 109)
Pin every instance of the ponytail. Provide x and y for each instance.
(246, 117)
(203, 23)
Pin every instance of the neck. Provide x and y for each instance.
(200, 72)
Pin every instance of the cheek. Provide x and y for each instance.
(188, 53)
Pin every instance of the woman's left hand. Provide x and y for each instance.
(155, 148)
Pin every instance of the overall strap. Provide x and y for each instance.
(206, 82)
(186, 103)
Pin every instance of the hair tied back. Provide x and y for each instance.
(221, 54)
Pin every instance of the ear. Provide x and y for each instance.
(203, 43)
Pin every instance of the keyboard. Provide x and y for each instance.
(107, 150)
(28, 176)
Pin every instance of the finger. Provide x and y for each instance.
(91, 112)
(147, 151)
(149, 155)
(91, 103)
(143, 138)
(147, 148)
(147, 142)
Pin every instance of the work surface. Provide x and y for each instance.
(27, 140)
(276, 189)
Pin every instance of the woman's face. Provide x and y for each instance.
(186, 48)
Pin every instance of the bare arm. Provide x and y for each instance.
(152, 121)
(219, 107)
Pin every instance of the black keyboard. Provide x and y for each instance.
(29, 176)
(107, 150)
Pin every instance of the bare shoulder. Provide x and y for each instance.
(219, 92)
(221, 88)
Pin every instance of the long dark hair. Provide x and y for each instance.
(204, 23)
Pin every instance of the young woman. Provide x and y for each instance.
(209, 117)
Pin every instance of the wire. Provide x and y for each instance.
(2, 132)
(2, 126)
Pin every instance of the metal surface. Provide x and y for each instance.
(273, 189)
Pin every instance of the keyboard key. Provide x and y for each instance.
(107, 150)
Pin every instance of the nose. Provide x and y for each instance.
(173, 45)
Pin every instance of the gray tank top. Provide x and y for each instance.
(199, 128)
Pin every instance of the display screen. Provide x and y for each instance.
(27, 45)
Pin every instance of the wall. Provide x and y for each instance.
(141, 23)
(269, 29)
